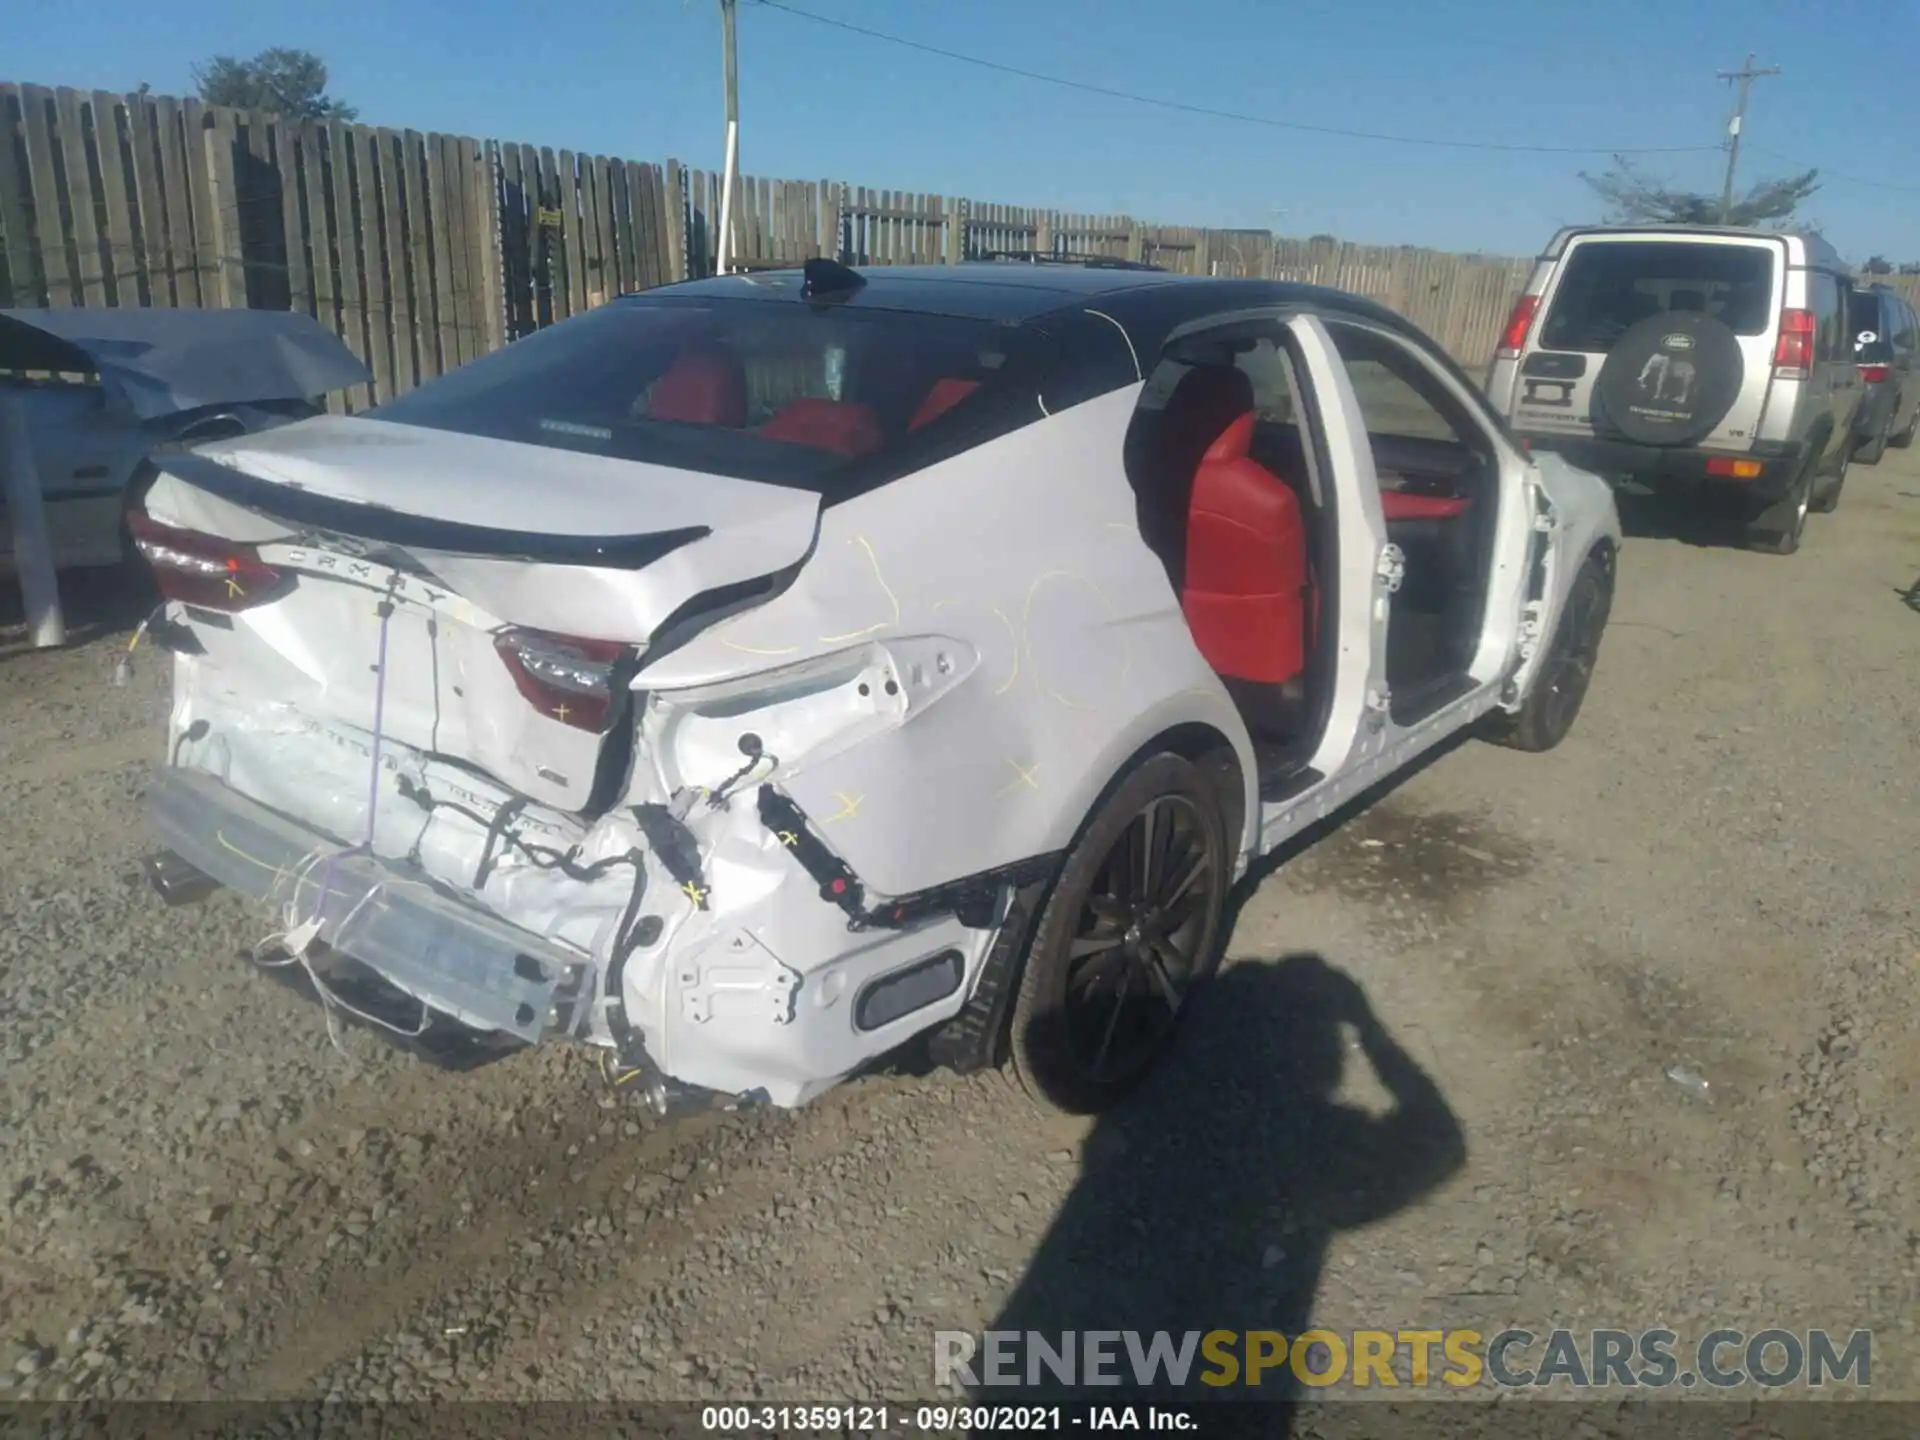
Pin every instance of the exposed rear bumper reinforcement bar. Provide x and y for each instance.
(448, 955)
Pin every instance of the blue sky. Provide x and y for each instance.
(641, 79)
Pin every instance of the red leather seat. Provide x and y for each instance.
(944, 395)
(841, 426)
(702, 387)
(1247, 591)
(1398, 505)
(1164, 450)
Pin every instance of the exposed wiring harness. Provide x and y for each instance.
(123, 668)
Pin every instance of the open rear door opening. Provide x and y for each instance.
(1225, 465)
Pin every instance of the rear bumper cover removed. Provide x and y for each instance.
(452, 957)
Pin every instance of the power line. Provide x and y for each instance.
(1210, 112)
(1826, 174)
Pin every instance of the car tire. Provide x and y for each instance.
(1778, 529)
(1826, 501)
(1123, 945)
(1869, 453)
(1905, 437)
(1560, 689)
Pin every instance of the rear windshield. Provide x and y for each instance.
(1869, 321)
(1608, 286)
(811, 396)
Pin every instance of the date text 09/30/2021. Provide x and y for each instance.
(886, 1420)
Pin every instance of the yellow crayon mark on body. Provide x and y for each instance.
(892, 599)
(1023, 777)
(849, 807)
(752, 650)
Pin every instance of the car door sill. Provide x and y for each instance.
(1422, 701)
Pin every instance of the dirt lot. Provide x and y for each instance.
(200, 1196)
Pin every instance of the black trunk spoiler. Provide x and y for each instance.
(309, 512)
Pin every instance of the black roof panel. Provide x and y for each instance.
(989, 290)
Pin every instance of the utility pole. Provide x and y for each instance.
(724, 252)
(1745, 75)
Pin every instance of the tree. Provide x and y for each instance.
(1878, 265)
(292, 83)
(1632, 198)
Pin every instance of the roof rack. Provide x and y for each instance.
(1067, 257)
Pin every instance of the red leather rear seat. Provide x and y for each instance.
(702, 387)
(1247, 593)
(841, 426)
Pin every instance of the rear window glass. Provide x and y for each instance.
(1606, 287)
(1865, 316)
(789, 394)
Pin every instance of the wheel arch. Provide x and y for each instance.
(1225, 757)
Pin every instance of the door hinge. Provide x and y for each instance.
(1392, 567)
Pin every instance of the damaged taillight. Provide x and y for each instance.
(206, 571)
(563, 676)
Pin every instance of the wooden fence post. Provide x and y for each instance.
(223, 208)
(676, 222)
(830, 223)
(956, 207)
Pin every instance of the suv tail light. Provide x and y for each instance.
(206, 571)
(1873, 374)
(1518, 324)
(1793, 352)
(562, 676)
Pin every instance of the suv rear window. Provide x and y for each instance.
(1864, 314)
(1607, 286)
(784, 393)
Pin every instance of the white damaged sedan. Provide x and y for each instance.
(751, 676)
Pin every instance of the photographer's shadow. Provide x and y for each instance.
(1210, 1197)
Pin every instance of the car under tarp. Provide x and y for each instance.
(164, 361)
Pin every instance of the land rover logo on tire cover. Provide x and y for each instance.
(1668, 380)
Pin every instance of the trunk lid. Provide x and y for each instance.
(468, 598)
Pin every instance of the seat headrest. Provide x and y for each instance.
(1207, 400)
(707, 386)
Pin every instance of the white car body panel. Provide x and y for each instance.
(962, 662)
(1076, 656)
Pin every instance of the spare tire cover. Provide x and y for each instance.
(1670, 379)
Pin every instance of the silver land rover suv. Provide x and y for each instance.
(1700, 362)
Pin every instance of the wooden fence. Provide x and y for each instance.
(423, 251)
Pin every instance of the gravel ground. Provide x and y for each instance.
(200, 1197)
